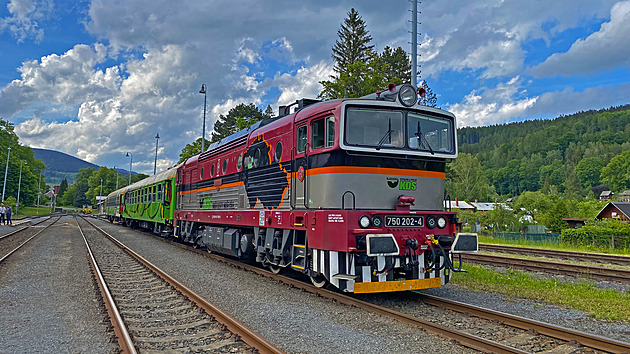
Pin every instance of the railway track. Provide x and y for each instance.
(16, 239)
(151, 311)
(578, 256)
(538, 265)
(561, 336)
(537, 327)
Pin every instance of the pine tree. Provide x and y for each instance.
(429, 98)
(398, 68)
(237, 118)
(353, 42)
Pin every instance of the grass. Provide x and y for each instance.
(552, 245)
(608, 304)
(30, 210)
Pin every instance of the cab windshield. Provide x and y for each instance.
(398, 129)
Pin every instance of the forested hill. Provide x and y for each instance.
(60, 165)
(566, 154)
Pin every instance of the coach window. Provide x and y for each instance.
(159, 193)
(302, 138)
(317, 132)
(330, 131)
(154, 193)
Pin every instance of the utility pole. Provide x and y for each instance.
(203, 131)
(17, 203)
(130, 162)
(157, 139)
(4, 185)
(39, 191)
(414, 43)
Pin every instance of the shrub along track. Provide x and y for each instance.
(520, 335)
(159, 313)
(551, 253)
(538, 265)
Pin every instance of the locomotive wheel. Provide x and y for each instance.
(319, 280)
(275, 269)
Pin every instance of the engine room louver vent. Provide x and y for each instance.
(224, 148)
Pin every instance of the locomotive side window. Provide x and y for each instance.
(278, 153)
(302, 138)
(239, 162)
(257, 157)
(212, 170)
(317, 131)
(330, 131)
(224, 166)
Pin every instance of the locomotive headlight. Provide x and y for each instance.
(377, 221)
(364, 221)
(441, 222)
(407, 95)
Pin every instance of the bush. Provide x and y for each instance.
(605, 233)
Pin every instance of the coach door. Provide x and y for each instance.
(299, 191)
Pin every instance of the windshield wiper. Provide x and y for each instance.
(421, 138)
(387, 135)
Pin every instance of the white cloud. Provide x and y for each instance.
(304, 84)
(488, 35)
(493, 106)
(61, 80)
(606, 49)
(23, 20)
(508, 102)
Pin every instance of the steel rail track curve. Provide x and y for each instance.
(567, 334)
(464, 339)
(120, 330)
(578, 256)
(25, 242)
(246, 334)
(549, 267)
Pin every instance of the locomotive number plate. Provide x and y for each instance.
(403, 221)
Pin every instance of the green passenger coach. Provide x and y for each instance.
(149, 203)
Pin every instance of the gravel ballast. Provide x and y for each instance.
(293, 320)
(48, 301)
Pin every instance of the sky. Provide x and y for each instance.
(99, 78)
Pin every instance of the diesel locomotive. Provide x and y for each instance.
(349, 192)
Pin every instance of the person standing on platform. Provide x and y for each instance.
(3, 210)
(9, 211)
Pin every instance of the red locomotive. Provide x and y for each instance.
(349, 192)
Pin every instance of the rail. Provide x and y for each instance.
(246, 334)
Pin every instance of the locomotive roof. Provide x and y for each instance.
(309, 105)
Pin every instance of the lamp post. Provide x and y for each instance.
(116, 177)
(17, 203)
(39, 190)
(130, 162)
(6, 169)
(157, 139)
(203, 132)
